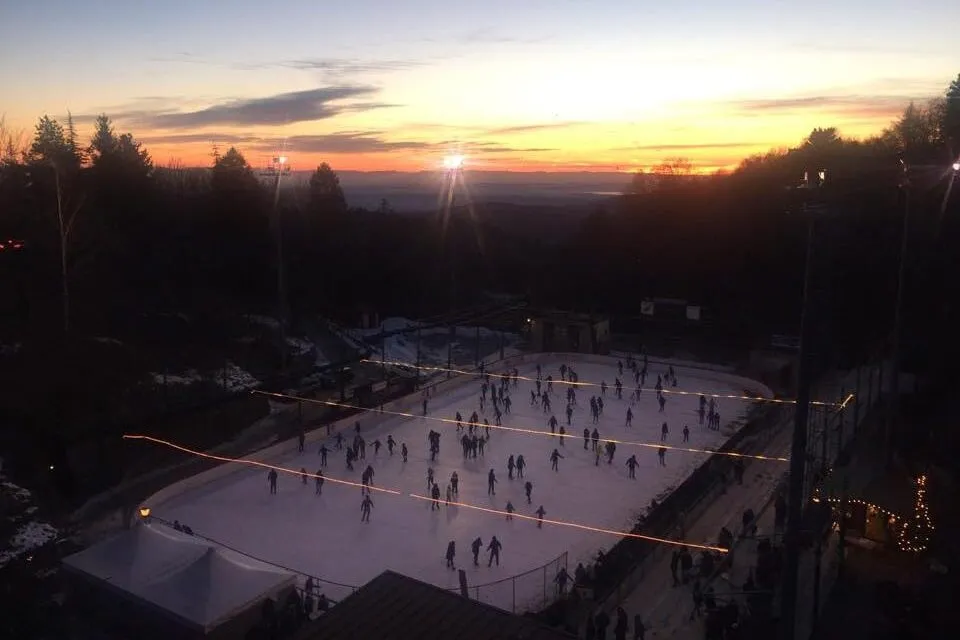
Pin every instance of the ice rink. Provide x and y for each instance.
(323, 535)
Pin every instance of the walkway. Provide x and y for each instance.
(666, 609)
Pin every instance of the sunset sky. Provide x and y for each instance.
(510, 84)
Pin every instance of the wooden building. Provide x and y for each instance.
(568, 332)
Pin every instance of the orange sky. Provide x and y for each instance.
(537, 85)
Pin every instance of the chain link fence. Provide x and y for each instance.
(531, 591)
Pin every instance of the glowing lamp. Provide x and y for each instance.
(956, 166)
(144, 512)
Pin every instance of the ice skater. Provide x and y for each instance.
(555, 460)
(632, 465)
(475, 547)
(528, 488)
(629, 422)
(521, 465)
(663, 402)
(664, 430)
(455, 483)
(494, 548)
(303, 475)
(553, 424)
(365, 508)
(586, 438)
(318, 483)
(491, 483)
(540, 513)
(435, 497)
(563, 432)
(686, 433)
(391, 443)
(510, 509)
(272, 479)
(510, 467)
(403, 451)
(662, 454)
(301, 440)
(451, 554)
(323, 455)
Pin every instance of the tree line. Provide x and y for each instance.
(109, 237)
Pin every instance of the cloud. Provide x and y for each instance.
(335, 66)
(376, 142)
(284, 108)
(524, 128)
(854, 105)
(191, 138)
(692, 147)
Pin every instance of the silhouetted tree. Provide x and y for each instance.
(951, 118)
(326, 195)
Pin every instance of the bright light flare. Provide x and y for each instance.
(453, 162)
(956, 166)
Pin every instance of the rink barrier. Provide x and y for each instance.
(412, 403)
(503, 593)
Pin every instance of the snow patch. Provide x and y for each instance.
(300, 346)
(188, 377)
(30, 536)
(233, 378)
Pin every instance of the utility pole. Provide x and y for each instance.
(798, 449)
(895, 357)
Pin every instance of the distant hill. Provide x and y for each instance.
(413, 192)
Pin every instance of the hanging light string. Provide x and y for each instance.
(915, 534)
(536, 432)
(414, 496)
(665, 390)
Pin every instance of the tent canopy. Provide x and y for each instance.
(195, 582)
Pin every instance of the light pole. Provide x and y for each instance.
(278, 168)
(798, 448)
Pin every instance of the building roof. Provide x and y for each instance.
(395, 607)
(191, 581)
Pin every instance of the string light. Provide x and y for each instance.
(915, 534)
(562, 523)
(870, 505)
(665, 391)
(537, 432)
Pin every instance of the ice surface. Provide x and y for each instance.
(323, 536)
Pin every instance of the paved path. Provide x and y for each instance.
(666, 609)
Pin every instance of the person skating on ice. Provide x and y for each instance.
(391, 443)
(662, 454)
(603, 388)
(339, 441)
(435, 497)
(611, 449)
(429, 477)
(552, 423)
(475, 547)
(563, 432)
(632, 465)
(510, 509)
(272, 479)
(323, 455)
(595, 436)
(540, 513)
(376, 447)
(318, 482)
(629, 422)
(528, 488)
(365, 508)
(521, 465)
(663, 402)
(664, 431)
(301, 440)
(403, 451)
(510, 467)
(494, 548)
(555, 458)
(586, 438)
(491, 483)
(455, 483)
(686, 433)
(303, 475)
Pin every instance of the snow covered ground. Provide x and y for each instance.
(402, 347)
(323, 535)
(18, 514)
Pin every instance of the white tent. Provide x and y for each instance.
(199, 584)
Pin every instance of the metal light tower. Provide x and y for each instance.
(276, 169)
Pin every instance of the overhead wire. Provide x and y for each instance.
(415, 496)
(665, 390)
(538, 432)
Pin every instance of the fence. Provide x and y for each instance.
(530, 591)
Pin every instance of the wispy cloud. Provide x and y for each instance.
(525, 128)
(359, 142)
(853, 105)
(692, 146)
(192, 138)
(284, 108)
(335, 66)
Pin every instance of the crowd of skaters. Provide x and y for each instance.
(475, 433)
